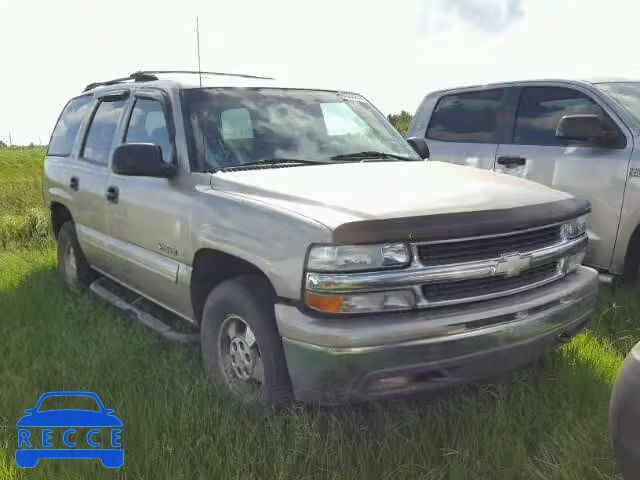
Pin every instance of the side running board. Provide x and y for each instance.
(104, 288)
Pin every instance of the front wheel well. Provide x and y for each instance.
(210, 268)
(59, 216)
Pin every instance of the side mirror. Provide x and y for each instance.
(420, 146)
(583, 128)
(29, 411)
(109, 411)
(141, 160)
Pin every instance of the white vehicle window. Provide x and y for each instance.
(470, 117)
(541, 108)
(627, 94)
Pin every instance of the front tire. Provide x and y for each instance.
(72, 264)
(241, 346)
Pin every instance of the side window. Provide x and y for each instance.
(97, 145)
(541, 108)
(466, 117)
(236, 124)
(66, 130)
(148, 124)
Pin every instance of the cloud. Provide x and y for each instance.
(490, 16)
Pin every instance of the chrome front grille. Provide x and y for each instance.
(469, 250)
(465, 270)
(489, 287)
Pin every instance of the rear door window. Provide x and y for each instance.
(541, 108)
(66, 130)
(99, 139)
(148, 124)
(470, 117)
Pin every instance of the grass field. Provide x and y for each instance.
(544, 422)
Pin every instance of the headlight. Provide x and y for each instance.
(343, 258)
(574, 228)
(392, 300)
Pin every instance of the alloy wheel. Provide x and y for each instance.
(239, 356)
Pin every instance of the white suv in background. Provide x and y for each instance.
(575, 136)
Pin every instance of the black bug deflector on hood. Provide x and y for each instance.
(462, 224)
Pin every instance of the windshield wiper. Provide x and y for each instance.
(372, 154)
(273, 161)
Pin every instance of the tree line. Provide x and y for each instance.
(400, 121)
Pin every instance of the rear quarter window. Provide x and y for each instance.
(66, 130)
(466, 117)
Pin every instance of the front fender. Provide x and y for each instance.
(271, 238)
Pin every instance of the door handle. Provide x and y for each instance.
(112, 194)
(74, 183)
(511, 162)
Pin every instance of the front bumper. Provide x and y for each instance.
(333, 360)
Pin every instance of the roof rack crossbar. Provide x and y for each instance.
(196, 72)
(136, 77)
(149, 75)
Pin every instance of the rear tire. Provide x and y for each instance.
(241, 346)
(72, 264)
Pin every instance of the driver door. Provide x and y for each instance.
(582, 169)
(147, 217)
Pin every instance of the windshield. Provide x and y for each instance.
(237, 126)
(626, 94)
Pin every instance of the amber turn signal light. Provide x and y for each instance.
(324, 303)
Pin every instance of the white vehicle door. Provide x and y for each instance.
(595, 172)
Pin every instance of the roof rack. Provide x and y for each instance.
(149, 75)
(136, 77)
(196, 72)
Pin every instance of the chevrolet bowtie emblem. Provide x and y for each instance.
(512, 264)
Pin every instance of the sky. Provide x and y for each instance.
(392, 52)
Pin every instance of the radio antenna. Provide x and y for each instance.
(198, 40)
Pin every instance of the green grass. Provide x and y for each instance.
(545, 422)
(23, 222)
(20, 181)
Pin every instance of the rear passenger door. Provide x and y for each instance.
(88, 180)
(464, 128)
(586, 170)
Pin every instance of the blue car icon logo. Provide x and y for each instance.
(85, 433)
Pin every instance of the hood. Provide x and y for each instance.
(334, 194)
